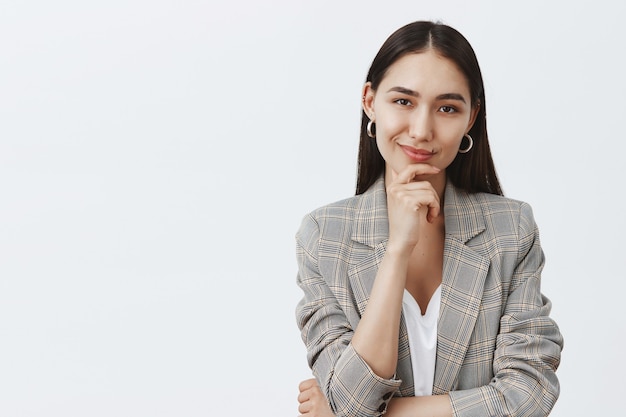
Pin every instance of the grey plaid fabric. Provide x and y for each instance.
(497, 347)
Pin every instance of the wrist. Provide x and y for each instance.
(400, 251)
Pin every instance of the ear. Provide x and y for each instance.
(473, 115)
(368, 95)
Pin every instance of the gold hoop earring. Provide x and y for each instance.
(471, 144)
(371, 133)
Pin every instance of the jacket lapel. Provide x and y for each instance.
(369, 235)
(464, 273)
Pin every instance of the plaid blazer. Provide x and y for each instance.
(497, 347)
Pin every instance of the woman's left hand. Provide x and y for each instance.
(312, 401)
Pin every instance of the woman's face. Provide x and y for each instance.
(422, 110)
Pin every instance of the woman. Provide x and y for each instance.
(422, 292)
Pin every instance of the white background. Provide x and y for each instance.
(156, 158)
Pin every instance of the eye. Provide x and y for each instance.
(447, 109)
(402, 102)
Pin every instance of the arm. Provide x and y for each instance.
(409, 204)
(351, 386)
(355, 367)
(314, 404)
(528, 346)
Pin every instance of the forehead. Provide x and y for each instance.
(426, 72)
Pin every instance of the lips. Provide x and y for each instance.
(417, 155)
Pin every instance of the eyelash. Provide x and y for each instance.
(402, 102)
(451, 109)
(406, 102)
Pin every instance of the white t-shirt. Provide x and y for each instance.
(422, 332)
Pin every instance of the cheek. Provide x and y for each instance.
(451, 148)
(452, 134)
(386, 134)
(382, 144)
(391, 126)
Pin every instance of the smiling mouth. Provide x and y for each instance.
(417, 155)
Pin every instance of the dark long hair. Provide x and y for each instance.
(473, 171)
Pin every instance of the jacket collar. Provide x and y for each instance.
(371, 225)
(463, 215)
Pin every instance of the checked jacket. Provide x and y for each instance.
(497, 347)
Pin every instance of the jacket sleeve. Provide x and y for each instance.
(350, 385)
(528, 347)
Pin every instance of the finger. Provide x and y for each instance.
(417, 195)
(424, 196)
(411, 171)
(307, 384)
(305, 407)
(304, 396)
(432, 213)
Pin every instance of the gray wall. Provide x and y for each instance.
(156, 159)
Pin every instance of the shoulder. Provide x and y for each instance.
(490, 222)
(323, 219)
(362, 217)
(509, 224)
(496, 209)
(342, 209)
(493, 204)
(468, 213)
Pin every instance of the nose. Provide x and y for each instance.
(421, 124)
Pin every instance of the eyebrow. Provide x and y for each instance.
(446, 96)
